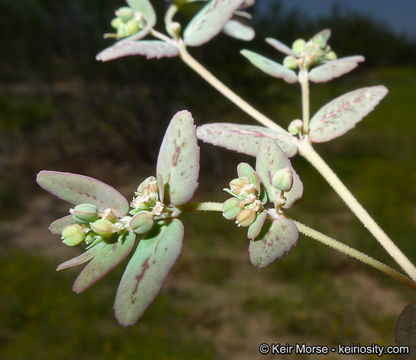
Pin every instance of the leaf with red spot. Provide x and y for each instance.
(147, 271)
(341, 114)
(271, 158)
(81, 259)
(178, 160)
(58, 225)
(80, 189)
(279, 239)
(245, 139)
(106, 260)
(209, 21)
(334, 68)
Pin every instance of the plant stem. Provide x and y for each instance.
(308, 152)
(316, 235)
(201, 206)
(304, 84)
(226, 91)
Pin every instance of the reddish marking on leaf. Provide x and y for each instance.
(342, 108)
(139, 278)
(114, 246)
(166, 249)
(176, 155)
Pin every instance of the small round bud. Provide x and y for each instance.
(102, 227)
(141, 223)
(298, 46)
(132, 27)
(73, 235)
(125, 13)
(246, 217)
(283, 179)
(295, 127)
(290, 62)
(116, 23)
(231, 208)
(85, 213)
(122, 31)
(331, 55)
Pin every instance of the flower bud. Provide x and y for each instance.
(331, 55)
(85, 213)
(295, 127)
(290, 62)
(141, 223)
(231, 208)
(298, 46)
(102, 227)
(246, 217)
(73, 235)
(283, 179)
(122, 31)
(125, 13)
(116, 23)
(132, 27)
(320, 41)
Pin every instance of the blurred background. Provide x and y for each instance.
(62, 110)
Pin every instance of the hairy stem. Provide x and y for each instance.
(316, 235)
(304, 84)
(226, 91)
(307, 151)
(201, 206)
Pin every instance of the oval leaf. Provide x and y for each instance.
(106, 260)
(279, 239)
(145, 8)
(335, 68)
(178, 160)
(58, 225)
(245, 139)
(270, 159)
(147, 271)
(405, 329)
(341, 114)
(81, 259)
(255, 228)
(239, 30)
(80, 189)
(279, 46)
(270, 67)
(149, 48)
(209, 21)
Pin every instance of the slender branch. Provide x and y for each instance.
(162, 37)
(201, 206)
(226, 91)
(304, 83)
(316, 235)
(307, 151)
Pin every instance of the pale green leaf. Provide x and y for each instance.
(279, 46)
(209, 21)
(107, 258)
(81, 259)
(147, 271)
(145, 8)
(333, 69)
(341, 114)
(245, 139)
(239, 30)
(271, 158)
(270, 67)
(58, 225)
(80, 189)
(255, 228)
(279, 239)
(178, 160)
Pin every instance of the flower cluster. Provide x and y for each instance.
(127, 22)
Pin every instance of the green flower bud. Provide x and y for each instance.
(102, 227)
(85, 213)
(132, 27)
(141, 223)
(295, 127)
(116, 23)
(246, 217)
(331, 55)
(320, 41)
(73, 235)
(283, 179)
(125, 13)
(290, 62)
(298, 46)
(231, 208)
(122, 31)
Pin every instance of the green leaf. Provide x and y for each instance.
(239, 30)
(270, 67)
(80, 189)
(106, 260)
(58, 225)
(149, 48)
(245, 139)
(335, 68)
(271, 158)
(147, 271)
(145, 8)
(279, 46)
(81, 259)
(279, 239)
(341, 114)
(405, 333)
(255, 228)
(209, 21)
(178, 160)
